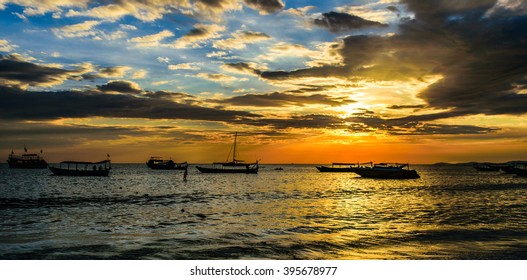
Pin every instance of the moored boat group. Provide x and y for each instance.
(102, 168)
(234, 165)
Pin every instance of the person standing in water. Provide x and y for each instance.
(185, 174)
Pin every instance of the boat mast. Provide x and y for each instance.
(234, 151)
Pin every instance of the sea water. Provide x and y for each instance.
(451, 212)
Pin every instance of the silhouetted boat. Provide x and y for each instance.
(234, 166)
(82, 168)
(28, 161)
(160, 163)
(341, 167)
(387, 171)
(512, 167)
(487, 166)
(520, 168)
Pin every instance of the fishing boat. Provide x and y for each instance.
(486, 166)
(234, 166)
(28, 161)
(512, 167)
(160, 163)
(387, 171)
(342, 167)
(82, 168)
(520, 168)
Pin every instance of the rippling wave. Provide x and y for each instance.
(451, 212)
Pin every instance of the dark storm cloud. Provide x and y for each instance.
(28, 105)
(169, 95)
(438, 11)
(480, 53)
(399, 107)
(412, 126)
(242, 67)
(213, 3)
(356, 51)
(435, 129)
(369, 123)
(13, 70)
(322, 71)
(197, 32)
(488, 66)
(339, 22)
(120, 87)
(277, 99)
(266, 6)
(301, 121)
(392, 9)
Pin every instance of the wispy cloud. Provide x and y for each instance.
(240, 39)
(200, 34)
(184, 66)
(83, 29)
(221, 78)
(41, 7)
(5, 46)
(153, 40)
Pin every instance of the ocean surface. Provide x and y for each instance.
(451, 212)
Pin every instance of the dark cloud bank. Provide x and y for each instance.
(480, 51)
(24, 105)
(338, 22)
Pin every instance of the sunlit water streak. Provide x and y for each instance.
(452, 212)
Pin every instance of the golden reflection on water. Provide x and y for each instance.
(297, 213)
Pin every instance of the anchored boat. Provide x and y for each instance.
(387, 171)
(160, 163)
(342, 167)
(82, 168)
(234, 166)
(27, 161)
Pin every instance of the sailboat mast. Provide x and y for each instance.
(234, 151)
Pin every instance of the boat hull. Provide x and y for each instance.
(27, 164)
(519, 171)
(387, 174)
(172, 166)
(336, 169)
(251, 170)
(488, 169)
(71, 172)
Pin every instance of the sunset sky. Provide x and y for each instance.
(301, 81)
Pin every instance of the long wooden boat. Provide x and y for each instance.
(82, 168)
(341, 167)
(520, 168)
(160, 163)
(387, 171)
(234, 166)
(247, 169)
(26, 161)
(487, 166)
